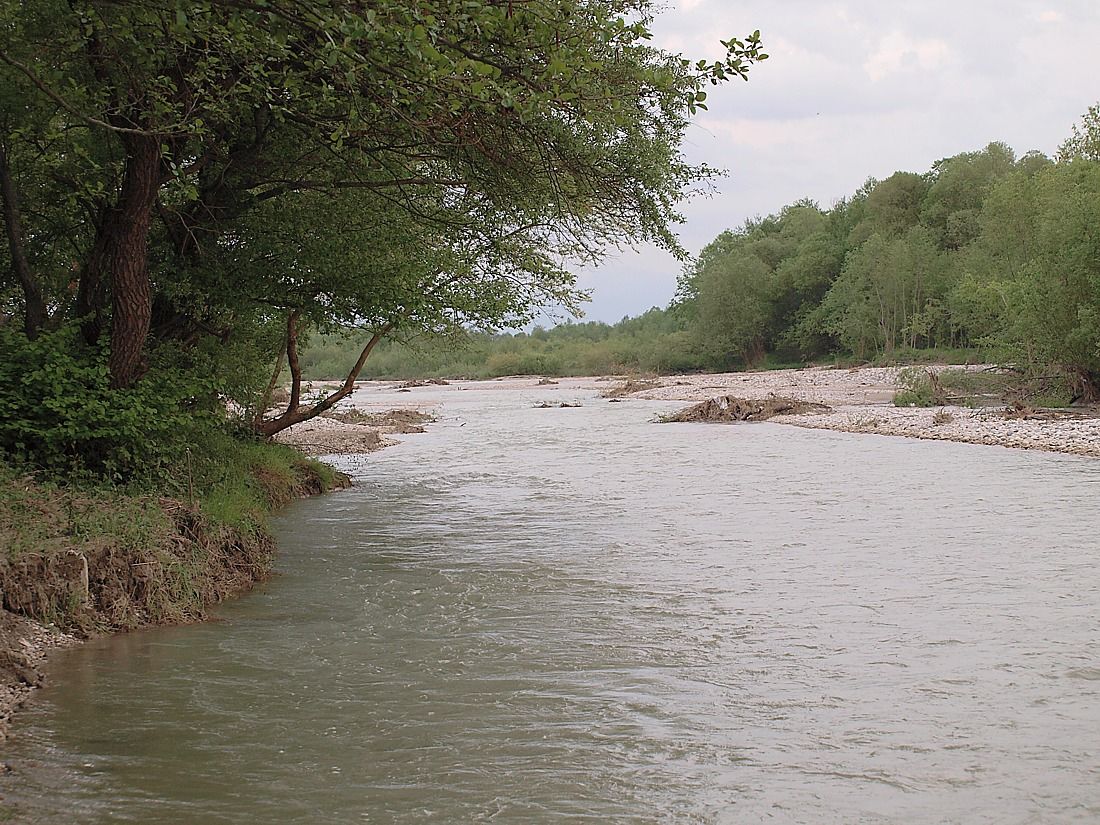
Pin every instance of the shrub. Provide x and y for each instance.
(58, 412)
(522, 363)
(914, 388)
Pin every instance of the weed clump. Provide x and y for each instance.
(992, 386)
(919, 387)
(942, 417)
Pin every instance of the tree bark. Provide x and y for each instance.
(755, 352)
(90, 291)
(293, 328)
(269, 392)
(34, 306)
(126, 255)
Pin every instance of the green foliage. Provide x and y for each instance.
(915, 388)
(238, 481)
(1032, 289)
(58, 412)
(34, 512)
(1084, 141)
(983, 252)
(199, 172)
(977, 388)
(903, 356)
(373, 164)
(655, 341)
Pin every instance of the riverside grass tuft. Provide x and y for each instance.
(920, 386)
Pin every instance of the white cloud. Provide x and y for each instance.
(897, 52)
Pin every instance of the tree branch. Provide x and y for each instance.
(282, 186)
(70, 108)
(295, 415)
(292, 329)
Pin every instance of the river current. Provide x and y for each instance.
(575, 615)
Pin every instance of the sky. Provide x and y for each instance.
(853, 90)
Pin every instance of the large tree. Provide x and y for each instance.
(490, 133)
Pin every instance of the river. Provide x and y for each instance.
(576, 615)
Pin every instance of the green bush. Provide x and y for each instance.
(914, 388)
(522, 363)
(58, 412)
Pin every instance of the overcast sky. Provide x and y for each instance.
(858, 89)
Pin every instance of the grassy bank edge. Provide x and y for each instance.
(83, 559)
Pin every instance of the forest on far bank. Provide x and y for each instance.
(985, 256)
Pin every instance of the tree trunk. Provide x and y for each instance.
(754, 354)
(90, 292)
(296, 414)
(126, 250)
(34, 306)
(1086, 385)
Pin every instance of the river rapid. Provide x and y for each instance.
(575, 615)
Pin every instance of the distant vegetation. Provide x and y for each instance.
(985, 255)
(656, 341)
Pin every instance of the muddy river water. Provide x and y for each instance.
(574, 615)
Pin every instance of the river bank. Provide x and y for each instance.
(79, 562)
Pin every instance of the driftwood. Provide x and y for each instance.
(423, 382)
(727, 408)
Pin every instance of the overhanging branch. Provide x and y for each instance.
(73, 110)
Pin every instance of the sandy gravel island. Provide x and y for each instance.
(352, 430)
(861, 399)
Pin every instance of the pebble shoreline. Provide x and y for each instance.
(862, 403)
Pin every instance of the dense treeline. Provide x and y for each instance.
(656, 341)
(984, 250)
(985, 254)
